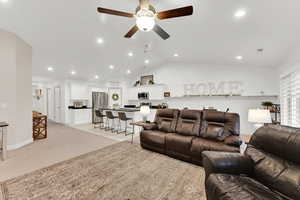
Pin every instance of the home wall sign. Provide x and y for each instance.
(214, 88)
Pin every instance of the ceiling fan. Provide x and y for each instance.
(146, 16)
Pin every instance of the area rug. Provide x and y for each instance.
(123, 171)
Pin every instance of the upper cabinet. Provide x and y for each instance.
(79, 91)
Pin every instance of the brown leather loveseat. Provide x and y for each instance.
(186, 134)
(269, 170)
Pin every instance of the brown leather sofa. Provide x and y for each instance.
(269, 170)
(186, 134)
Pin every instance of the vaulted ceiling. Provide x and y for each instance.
(64, 33)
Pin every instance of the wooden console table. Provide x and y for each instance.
(39, 126)
(247, 138)
(3, 127)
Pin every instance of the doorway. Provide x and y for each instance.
(49, 108)
(57, 104)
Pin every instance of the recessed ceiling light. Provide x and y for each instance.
(4, 1)
(50, 69)
(73, 72)
(96, 77)
(240, 13)
(111, 67)
(176, 55)
(147, 61)
(128, 71)
(100, 40)
(239, 57)
(130, 54)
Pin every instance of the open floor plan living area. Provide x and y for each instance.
(149, 100)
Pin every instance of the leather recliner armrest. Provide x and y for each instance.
(226, 163)
(233, 141)
(150, 126)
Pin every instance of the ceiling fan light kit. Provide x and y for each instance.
(145, 20)
(146, 17)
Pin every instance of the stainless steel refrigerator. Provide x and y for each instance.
(99, 100)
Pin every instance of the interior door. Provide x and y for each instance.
(57, 104)
(49, 103)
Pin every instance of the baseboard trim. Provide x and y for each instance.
(19, 145)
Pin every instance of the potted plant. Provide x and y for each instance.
(267, 105)
(151, 82)
(137, 83)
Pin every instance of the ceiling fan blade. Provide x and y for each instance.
(178, 12)
(114, 12)
(163, 34)
(132, 32)
(144, 3)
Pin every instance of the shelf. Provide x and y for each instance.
(223, 96)
(154, 85)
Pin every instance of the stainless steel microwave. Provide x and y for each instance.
(143, 95)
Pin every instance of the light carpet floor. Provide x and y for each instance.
(108, 134)
(62, 143)
(122, 171)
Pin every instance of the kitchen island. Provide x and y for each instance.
(79, 116)
(133, 113)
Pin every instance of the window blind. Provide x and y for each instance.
(290, 99)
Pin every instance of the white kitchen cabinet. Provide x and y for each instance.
(80, 116)
(79, 91)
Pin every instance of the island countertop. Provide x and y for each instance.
(122, 109)
(125, 109)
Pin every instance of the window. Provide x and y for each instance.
(290, 99)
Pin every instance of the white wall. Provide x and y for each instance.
(255, 80)
(291, 63)
(15, 88)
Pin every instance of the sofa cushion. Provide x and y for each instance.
(214, 131)
(282, 141)
(230, 187)
(230, 122)
(275, 151)
(189, 123)
(166, 119)
(199, 145)
(178, 145)
(275, 172)
(155, 139)
(165, 125)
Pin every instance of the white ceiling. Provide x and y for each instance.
(63, 34)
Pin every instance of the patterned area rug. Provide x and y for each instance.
(119, 172)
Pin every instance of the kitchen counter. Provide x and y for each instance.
(126, 109)
(133, 113)
(79, 115)
(79, 108)
(122, 109)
